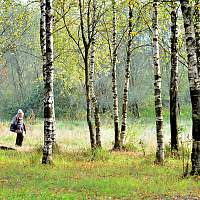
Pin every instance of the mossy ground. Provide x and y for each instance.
(87, 175)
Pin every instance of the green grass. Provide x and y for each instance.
(72, 134)
(84, 175)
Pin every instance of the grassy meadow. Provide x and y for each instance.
(78, 173)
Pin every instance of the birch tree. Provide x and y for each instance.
(86, 44)
(157, 87)
(194, 83)
(42, 34)
(92, 70)
(197, 30)
(114, 80)
(127, 77)
(174, 77)
(48, 86)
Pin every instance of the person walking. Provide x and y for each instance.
(18, 126)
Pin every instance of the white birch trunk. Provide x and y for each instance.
(194, 83)
(174, 78)
(92, 70)
(127, 78)
(48, 87)
(114, 81)
(157, 87)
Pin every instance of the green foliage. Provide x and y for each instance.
(66, 103)
(21, 40)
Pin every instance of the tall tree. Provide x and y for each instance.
(194, 83)
(114, 80)
(157, 87)
(92, 69)
(86, 33)
(48, 86)
(174, 77)
(42, 34)
(197, 31)
(87, 44)
(127, 77)
(43, 51)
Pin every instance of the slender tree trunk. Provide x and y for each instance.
(114, 81)
(157, 88)
(92, 63)
(127, 77)
(89, 105)
(87, 78)
(43, 51)
(197, 31)
(42, 36)
(174, 78)
(194, 84)
(48, 87)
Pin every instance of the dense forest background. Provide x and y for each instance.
(21, 62)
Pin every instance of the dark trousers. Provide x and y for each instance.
(19, 139)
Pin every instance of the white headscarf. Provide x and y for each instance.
(14, 120)
(20, 111)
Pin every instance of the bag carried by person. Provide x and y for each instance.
(13, 127)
